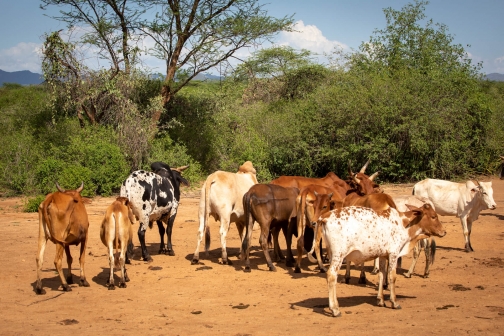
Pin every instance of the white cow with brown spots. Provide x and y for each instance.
(362, 234)
(222, 197)
(116, 232)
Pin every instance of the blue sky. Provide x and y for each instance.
(323, 25)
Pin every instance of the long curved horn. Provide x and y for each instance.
(59, 188)
(372, 177)
(80, 188)
(363, 169)
(180, 169)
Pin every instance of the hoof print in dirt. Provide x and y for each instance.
(155, 268)
(69, 322)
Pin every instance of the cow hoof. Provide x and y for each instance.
(375, 271)
(426, 276)
(381, 304)
(194, 261)
(128, 262)
(336, 314)
(396, 306)
(111, 287)
(297, 270)
(289, 263)
(323, 270)
(66, 288)
(122, 285)
(223, 262)
(170, 253)
(148, 259)
(407, 275)
(162, 251)
(40, 291)
(385, 286)
(272, 268)
(362, 281)
(83, 283)
(247, 269)
(347, 280)
(69, 280)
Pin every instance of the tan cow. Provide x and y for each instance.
(116, 232)
(63, 220)
(222, 197)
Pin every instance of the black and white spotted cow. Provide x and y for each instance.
(155, 196)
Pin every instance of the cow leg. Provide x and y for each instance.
(376, 267)
(465, 229)
(129, 252)
(289, 262)
(201, 230)
(82, 260)
(392, 279)
(430, 250)
(276, 245)
(469, 229)
(42, 243)
(161, 228)
(347, 273)
(240, 227)
(110, 281)
(381, 278)
(169, 230)
(224, 229)
(57, 263)
(69, 258)
(264, 244)
(416, 254)
(362, 277)
(122, 259)
(141, 238)
(332, 277)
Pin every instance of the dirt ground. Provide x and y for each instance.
(464, 293)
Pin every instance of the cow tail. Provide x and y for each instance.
(248, 224)
(47, 220)
(116, 246)
(206, 228)
(432, 250)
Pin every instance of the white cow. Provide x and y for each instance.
(463, 200)
(222, 197)
(362, 234)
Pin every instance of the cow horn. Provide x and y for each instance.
(350, 169)
(356, 179)
(80, 188)
(363, 169)
(59, 188)
(373, 176)
(502, 157)
(180, 169)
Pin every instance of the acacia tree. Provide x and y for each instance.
(191, 36)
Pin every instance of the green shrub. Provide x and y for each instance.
(32, 203)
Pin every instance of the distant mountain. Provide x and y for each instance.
(24, 77)
(495, 77)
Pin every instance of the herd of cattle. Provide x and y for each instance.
(356, 221)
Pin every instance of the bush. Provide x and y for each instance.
(32, 203)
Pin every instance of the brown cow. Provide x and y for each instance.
(116, 232)
(63, 219)
(272, 207)
(312, 202)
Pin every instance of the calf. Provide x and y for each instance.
(116, 232)
(426, 244)
(361, 234)
(463, 200)
(222, 197)
(269, 205)
(63, 220)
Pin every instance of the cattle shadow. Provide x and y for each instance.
(102, 277)
(499, 216)
(321, 305)
(449, 248)
(53, 283)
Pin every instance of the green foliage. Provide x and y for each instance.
(32, 203)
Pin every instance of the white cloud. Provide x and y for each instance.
(309, 37)
(23, 56)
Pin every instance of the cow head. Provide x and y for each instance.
(74, 193)
(484, 191)
(248, 168)
(362, 183)
(173, 174)
(315, 205)
(427, 219)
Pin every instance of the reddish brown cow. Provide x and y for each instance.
(63, 219)
(312, 202)
(272, 207)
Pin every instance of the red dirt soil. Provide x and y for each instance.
(464, 293)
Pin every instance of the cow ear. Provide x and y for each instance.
(184, 181)
(413, 208)
(332, 205)
(330, 195)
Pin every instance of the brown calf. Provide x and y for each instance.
(271, 206)
(63, 219)
(116, 232)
